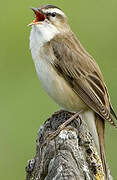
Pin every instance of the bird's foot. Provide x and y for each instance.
(62, 126)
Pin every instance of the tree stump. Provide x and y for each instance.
(71, 155)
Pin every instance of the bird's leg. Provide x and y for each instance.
(62, 126)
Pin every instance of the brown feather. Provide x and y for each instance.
(100, 125)
(82, 73)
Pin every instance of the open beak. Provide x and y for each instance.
(40, 17)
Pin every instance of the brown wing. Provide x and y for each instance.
(82, 73)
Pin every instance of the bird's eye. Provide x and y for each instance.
(53, 14)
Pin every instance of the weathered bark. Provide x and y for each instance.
(71, 155)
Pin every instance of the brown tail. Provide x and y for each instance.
(100, 125)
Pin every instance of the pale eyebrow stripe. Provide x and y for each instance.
(51, 10)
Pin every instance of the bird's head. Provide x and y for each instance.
(50, 18)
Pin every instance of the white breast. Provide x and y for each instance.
(54, 84)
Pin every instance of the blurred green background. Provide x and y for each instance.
(24, 105)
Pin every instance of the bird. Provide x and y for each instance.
(69, 74)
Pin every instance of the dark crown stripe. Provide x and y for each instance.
(49, 6)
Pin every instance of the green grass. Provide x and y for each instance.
(23, 103)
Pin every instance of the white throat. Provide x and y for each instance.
(41, 34)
